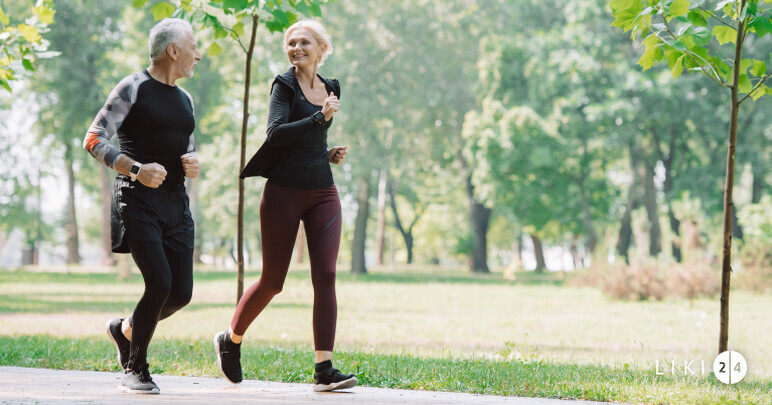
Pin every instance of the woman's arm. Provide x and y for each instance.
(280, 132)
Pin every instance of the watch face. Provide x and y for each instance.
(134, 169)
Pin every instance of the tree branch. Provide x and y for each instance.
(716, 79)
(756, 87)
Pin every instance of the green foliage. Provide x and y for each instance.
(227, 18)
(21, 40)
(689, 36)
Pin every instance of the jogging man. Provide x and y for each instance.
(153, 118)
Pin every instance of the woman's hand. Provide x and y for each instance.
(337, 154)
(331, 106)
(190, 165)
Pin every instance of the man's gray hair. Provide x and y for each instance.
(168, 31)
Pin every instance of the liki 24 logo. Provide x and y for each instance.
(729, 367)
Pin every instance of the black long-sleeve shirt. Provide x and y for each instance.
(295, 151)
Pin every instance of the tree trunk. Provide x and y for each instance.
(675, 227)
(726, 263)
(407, 234)
(358, 265)
(758, 183)
(106, 256)
(381, 231)
(73, 255)
(650, 201)
(244, 123)
(633, 202)
(538, 252)
(592, 236)
(479, 216)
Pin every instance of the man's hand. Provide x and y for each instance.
(190, 165)
(152, 175)
(337, 154)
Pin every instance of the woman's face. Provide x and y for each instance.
(302, 48)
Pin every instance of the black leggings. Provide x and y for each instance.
(168, 279)
(159, 233)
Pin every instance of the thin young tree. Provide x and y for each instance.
(700, 38)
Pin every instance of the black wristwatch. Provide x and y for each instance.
(319, 118)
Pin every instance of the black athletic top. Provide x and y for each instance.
(295, 151)
(154, 123)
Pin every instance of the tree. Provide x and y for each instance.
(220, 16)
(71, 95)
(22, 42)
(686, 35)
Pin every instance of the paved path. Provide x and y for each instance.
(43, 386)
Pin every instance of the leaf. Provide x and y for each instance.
(761, 26)
(626, 13)
(138, 3)
(235, 5)
(679, 8)
(677, 67)
(220, 33)
(214, 49)
(744, 84)
(29, 33)
(697, 19)
(3, 17)
(162, 10)
(759, 68)
(5, 85)
(759, 92)
(725, 34)
(238, 28)
(650, 55)
(701, 35)
(27, 65)
(45, 14)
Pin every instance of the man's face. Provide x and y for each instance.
(187, 55)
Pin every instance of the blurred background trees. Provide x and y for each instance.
(489, 136)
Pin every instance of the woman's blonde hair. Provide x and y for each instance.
(317, 30)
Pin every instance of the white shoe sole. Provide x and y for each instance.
(219, 361)
(340, 385)
(128, 390)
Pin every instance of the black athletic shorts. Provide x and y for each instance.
(150, 215)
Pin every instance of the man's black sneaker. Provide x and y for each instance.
(138, 382)
(332, 379)
(228, 357)
(121, 343)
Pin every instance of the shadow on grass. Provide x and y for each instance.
(480, 376)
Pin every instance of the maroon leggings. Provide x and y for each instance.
(281, 210)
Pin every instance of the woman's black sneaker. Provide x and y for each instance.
(332, 379)
(228, 357)
(121, 343)
(138, 381)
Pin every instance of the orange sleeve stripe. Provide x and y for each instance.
(91, 141)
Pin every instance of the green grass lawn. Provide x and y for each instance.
(419, 329)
